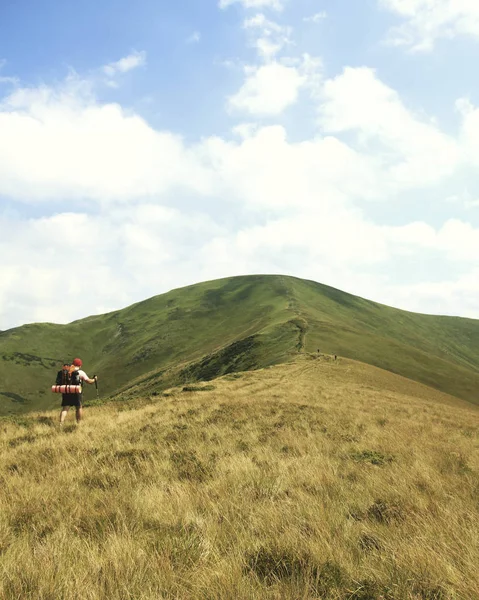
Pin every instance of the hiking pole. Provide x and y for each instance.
(96, 385)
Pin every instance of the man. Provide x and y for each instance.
(75, 399)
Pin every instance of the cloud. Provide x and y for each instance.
(446, 297)
(194, 38)
(464, 199)
(261, 22)
(469, 134)
(124, 256)
(61, 143)
(260, 201)
(138, 251)
(316, 18)
(426, 21)
(414, 151)
(7, 79)
(340, 234)
(245, 130)
(269, 38)
(472, 203)
(273, 4)
(125, 64)
(266, 171)
(347, 251)
(268, 90)
(455, 241)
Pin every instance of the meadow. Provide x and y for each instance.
(315, 479)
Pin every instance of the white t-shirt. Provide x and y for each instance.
(82, 374)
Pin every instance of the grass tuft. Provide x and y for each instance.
(369, 542)
(373, 457)
(198, 388)
(188, 466)
(384, 512)
(273, 565)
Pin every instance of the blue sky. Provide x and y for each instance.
(158, 144)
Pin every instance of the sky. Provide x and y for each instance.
(149, 145)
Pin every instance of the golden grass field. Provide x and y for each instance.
(314, 479)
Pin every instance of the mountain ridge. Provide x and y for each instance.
(237, 323)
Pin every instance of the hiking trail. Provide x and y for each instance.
(299, 321)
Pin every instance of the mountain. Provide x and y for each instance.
(235, 324)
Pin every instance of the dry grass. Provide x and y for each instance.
(317, 479)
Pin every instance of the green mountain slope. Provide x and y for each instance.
(239, 323)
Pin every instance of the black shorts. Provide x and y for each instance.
(72, 400)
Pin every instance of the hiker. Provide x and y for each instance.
(75, 399)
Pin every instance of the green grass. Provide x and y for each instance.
(229, 325)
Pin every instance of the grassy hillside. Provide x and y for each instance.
(171, 329)
(240, 323)
(316, 479)
(442, 352)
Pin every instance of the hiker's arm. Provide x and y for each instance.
(91, 380)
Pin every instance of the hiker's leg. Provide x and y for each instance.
(79, 413)
(63, 414)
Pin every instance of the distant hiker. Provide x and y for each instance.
(76, 377)
(335, 357)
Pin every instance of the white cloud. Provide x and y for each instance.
(135, 252)
(269, 38)
(311, 68)
(259, 21)
(340, 234)
(344, 250)
(61, 143)
(258, 202)
(414, 150)
(316, 18)
(447, 297)
(267, 48)
(464, 199)
(469, 130)
(267, 171)
(426, 21)
(273, 4)
(194, 38)
(455, 240)
(245, 130)
(122, 257)
(5, 78)
(472, 203)
(125, 64)
(268, 90)
(9, 80)
(459, 241)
